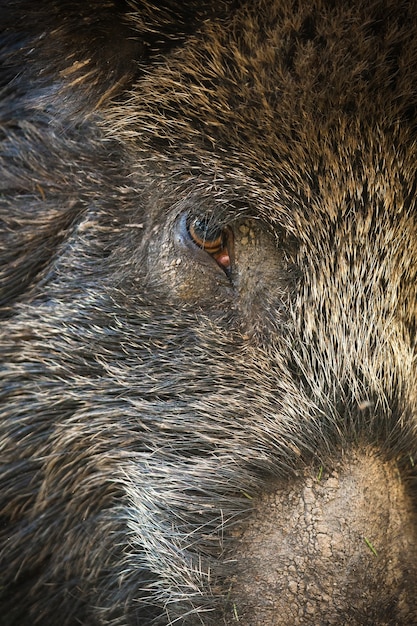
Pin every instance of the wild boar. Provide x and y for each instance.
(209, 304)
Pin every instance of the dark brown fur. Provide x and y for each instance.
(184, 443)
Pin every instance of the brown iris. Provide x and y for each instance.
(213, 239)
(209, 237)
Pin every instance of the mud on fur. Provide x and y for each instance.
(208, 267)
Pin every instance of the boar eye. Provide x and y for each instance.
(213, 239)
(208, 236)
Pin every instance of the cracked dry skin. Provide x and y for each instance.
(340, 557)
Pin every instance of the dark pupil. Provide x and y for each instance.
(206, 231)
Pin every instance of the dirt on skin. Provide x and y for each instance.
(354, 517)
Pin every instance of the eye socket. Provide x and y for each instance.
(214, 239)
(206, 235)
